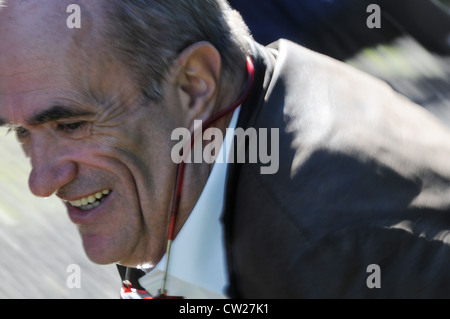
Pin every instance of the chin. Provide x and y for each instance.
(100, 251)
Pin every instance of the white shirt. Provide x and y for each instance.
(197, 267)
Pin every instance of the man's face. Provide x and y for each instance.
(89, 137)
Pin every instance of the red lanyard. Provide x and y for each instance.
(180, 172)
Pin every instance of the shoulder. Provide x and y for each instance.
(352, 156)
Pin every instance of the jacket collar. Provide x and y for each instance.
(264, 63)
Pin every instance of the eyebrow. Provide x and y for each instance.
(55, 113)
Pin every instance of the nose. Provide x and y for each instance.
(50, 170)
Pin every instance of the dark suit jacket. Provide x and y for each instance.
(364, 179)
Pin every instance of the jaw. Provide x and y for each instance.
(114, 232)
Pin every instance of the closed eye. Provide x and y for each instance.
(70, 127)
(20, 131)
(73, 130)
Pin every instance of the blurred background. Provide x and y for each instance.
(410, 50)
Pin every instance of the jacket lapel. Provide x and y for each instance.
(249, 114)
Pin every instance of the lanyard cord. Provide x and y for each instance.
(180, 170)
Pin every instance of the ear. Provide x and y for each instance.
(198, 79)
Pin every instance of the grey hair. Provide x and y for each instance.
(148, 35)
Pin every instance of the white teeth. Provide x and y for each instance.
(90, 206)
(90, 201)
(76, 203)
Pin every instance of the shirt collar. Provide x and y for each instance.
(197, 266)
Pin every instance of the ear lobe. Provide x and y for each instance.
(198, 77)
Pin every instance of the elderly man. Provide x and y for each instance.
(357, 207)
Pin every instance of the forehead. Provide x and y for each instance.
(27, 36)
(41, 58)
(35, 33)
(31, 51)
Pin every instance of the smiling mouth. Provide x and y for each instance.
(91, 201)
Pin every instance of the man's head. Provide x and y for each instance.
(94, 108)
(149, 35)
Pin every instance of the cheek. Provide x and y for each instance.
(140, 148)
(152, 176)
(145, 174)
(146, 147)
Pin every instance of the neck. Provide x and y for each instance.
(196, 174)
(228, 95)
